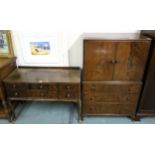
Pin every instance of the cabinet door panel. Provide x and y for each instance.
(98, 56)
(137, 59)
(130, 60)
(121, 65)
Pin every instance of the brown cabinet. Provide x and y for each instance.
(147, 102)
(7, 65)
(112, 75)
(44, 84)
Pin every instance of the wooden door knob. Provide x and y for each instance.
(113, 61)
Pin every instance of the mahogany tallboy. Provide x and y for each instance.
(7, 65)
(147, 102)
(113, 74)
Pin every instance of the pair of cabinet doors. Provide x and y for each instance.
(114, 60)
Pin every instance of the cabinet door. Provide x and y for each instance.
(130, 60)
(98, 57)
(122, 55)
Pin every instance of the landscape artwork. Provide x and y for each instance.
(3, 43)
(40, 48)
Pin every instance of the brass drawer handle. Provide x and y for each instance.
(16, 93)
(113, 61)
(68, 95)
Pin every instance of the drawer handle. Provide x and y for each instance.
(16, 93)
(68, 95)
(68, 87)
(113, 61)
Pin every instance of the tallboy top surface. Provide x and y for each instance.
(115, 36)
(44, 75)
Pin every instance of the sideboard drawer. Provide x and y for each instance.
(69, 91)
(69, 87)
(16, 86)
(68, 95)
(17, 94)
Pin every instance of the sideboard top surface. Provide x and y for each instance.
(44, 75)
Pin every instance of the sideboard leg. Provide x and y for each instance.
(5, 107)
(12, 116)
(80, 117)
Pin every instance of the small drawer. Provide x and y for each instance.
(69, 87)
(69, 95)
(16, 86)
(17, 94)
(38, 86)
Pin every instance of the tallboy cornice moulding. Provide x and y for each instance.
(40, 48)
(6, 48)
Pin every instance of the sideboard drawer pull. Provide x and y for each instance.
(16, 93)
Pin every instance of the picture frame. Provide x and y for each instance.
(41, 48)
(6, 46)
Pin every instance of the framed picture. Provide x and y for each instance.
(40, 48)
(6, 48)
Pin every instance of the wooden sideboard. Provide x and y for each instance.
(147, 102)
(112, 74)
(7, 65)
(44, 84)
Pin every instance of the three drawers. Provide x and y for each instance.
(101, 98)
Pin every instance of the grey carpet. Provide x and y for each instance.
(64, 113)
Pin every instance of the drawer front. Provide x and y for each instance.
(111, 88)
(69, 91)
(69, 87)
(102, 98)
(113, 98)
(16, 86)
(100, 109)
(17, 93)
(32, 90)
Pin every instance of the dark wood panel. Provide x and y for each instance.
(112, 87)
(98, 58)
(110, 109)
(121, 66)
(137, 59)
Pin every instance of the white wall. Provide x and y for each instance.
(74, 45)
